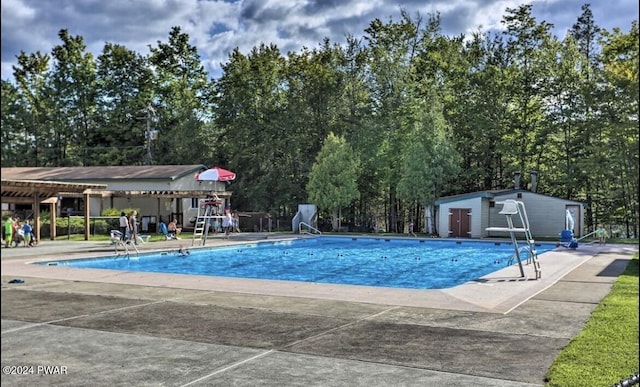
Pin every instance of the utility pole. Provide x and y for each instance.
(150, 135)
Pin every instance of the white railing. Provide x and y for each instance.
(310, 227)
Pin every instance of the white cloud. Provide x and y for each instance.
(216, 27)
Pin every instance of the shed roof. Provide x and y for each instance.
(490, 194)
(103, 173)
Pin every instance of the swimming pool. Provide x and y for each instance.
(385, 262)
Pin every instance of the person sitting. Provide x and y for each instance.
(162, 228)
(173, 229)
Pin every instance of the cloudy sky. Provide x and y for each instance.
(216, 27)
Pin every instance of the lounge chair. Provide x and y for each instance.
(115, 236)
(143, 238)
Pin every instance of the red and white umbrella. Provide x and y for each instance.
(216, 174)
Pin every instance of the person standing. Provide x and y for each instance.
(235, 225)
(227, 222)
(26, 228)
(18, 237)
(602, 234)
(124, 226)
(133, 226)
(8, 231)
(411, 226)
(33, 242)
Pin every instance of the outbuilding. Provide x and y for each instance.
(469, 215)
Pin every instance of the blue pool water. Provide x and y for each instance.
(399, 263)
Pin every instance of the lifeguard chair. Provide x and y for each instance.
(208, 210)
(510, 208)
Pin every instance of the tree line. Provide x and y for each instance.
(373, 130)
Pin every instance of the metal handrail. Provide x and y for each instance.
(588, 235)
(310, 227)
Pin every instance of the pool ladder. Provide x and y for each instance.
(125, 247)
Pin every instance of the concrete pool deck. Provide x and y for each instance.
(117, 328)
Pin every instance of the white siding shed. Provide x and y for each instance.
(547, 215)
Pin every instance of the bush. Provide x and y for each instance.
(116, 212)
(75, 224)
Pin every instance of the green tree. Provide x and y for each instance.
(430, 161)
(16, 146)
(27, 113)
(506, 102)
(125, 88)
(586, 118)
(356, 118)
(391, 49)
(563, 161)
(73, 85)
(181, 103)
(477, 110)
(253, 136)
(525, 76)
(332, 181)
(618, 140)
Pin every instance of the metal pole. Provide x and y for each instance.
(149, 160)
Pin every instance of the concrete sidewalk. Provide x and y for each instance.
(73, 327)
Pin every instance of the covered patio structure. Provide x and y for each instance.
(159, 195)
(37, 192)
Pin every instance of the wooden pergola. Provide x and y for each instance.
(37, 192)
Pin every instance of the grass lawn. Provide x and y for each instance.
(606, 351)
